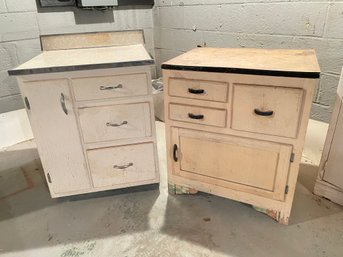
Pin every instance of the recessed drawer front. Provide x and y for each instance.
(114, 122)
(122, 164)
(110, 87)
(239, 163)
(198, 89)
(198, 115)
(267, 109)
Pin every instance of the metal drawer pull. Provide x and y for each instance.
(109, 124)
(111, 87)
(174, 153)
(27, 103)
(63, 104)
(196, 91)
(195, 117)
(263, 113)
(123, 167)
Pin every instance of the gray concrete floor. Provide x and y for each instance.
(146, 221)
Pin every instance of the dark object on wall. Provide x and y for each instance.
(52, 3)
(101, 3)
(135, 2)
(93, 3)
(97, 3)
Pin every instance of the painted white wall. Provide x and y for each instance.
(21, 24)
(182, 25)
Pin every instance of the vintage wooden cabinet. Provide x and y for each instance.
(236, 121)
(329, 183)
(91, 113)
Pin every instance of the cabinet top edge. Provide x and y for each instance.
(271, 62)
(85, 59)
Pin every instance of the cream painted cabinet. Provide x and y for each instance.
(236, 121)
(93, 124)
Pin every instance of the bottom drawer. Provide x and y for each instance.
(122, 164)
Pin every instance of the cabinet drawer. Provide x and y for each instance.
(248, 165)
(122, 164)
(110, 86)
(114, 122)
(198, 89)
(267, 109)
(199, 115)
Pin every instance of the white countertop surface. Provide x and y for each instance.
(83, 59)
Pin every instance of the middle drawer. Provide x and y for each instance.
(113, 122)
(199, 115)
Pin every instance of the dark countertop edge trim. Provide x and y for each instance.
(296, 74)
(79, 67)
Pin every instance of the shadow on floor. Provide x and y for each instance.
(26, 201)
(221, 224)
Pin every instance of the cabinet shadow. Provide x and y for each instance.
(30, 218)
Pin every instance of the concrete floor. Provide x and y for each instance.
(146, 221)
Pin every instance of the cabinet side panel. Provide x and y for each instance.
(57, 135)
(333, 169)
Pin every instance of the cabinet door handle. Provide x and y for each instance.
(110, 124)
(123, 167)
(63, 104)
(111, 87)
(196, 91)
(263, 113)
(195, 117)
(175, 153)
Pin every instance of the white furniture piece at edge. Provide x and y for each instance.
(329, 183)
(92, 115)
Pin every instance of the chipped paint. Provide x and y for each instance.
(181, 190)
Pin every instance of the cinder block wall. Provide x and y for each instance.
(182, 25)
(21, 24)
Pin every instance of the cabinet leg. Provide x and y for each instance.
(181, 190)
(279, 216)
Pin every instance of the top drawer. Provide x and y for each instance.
(198, 89)
(267, 109)
(110, 87)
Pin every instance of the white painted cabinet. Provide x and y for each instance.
(94, 125)
(330, 179)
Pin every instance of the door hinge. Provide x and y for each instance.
(292, 157)
(27, 103)
(49, 178)
(286, 190)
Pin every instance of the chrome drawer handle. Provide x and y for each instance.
(123, 167)
(263, 113)
(111, 87)
(195, 117)
(110, 124)
(63, 104)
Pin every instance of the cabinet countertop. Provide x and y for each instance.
(85, 59)
(273, 62)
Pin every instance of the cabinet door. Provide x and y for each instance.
(55, 129)
(333, 169)
(248, 165)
